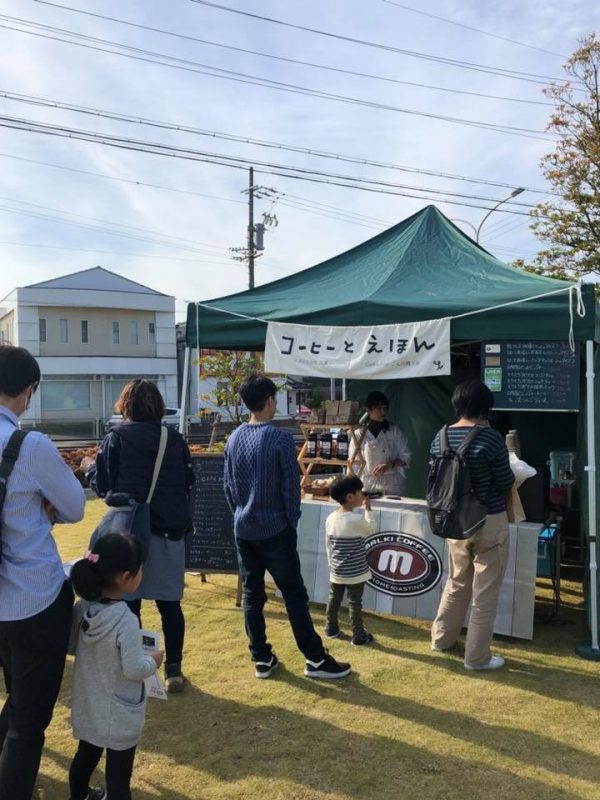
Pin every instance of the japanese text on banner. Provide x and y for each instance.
(410, 350)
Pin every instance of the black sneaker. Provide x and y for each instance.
(174, 679)
(328, 667)
(264, 669)
(364, 637)
(332, 631)
(96, 794)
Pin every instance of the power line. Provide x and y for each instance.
(177, 126)
(298, 173)
(240, 77)
(468, 28)
(132, 181)
(106, 252)
(125, 253)
(293, 201)
(115, 224)
(502, 71)
(138, 233)
(284, 59)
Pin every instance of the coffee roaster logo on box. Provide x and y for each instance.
(402, 565)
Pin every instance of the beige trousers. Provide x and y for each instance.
(476, 569)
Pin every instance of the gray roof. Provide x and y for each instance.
(95, 279)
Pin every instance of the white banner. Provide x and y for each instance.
(410, 350)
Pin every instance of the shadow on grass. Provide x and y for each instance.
(50, 789)
(234, 741)
(509, 742)
(569, 684)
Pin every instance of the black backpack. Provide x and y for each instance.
(454, 511)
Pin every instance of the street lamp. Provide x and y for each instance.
(464, 222)
(514, 193)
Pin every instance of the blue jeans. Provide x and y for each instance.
(278, 556)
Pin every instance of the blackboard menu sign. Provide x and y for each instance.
(211, 547)
(531, 376)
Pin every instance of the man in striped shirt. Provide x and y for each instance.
(348, 568)
(35, 599)
(476, 565)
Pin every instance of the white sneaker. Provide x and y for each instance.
(495, 662)
(437, 649)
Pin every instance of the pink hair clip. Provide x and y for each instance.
(89, 556)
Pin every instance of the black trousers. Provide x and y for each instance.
(277, 555)
(173, 625)
(32, 654)
(336, 595)
(119, 766)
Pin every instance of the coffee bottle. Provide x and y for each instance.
(342, 445)
(325, 441)
(311, 444)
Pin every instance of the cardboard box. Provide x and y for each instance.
(331, 411)
(348, 411)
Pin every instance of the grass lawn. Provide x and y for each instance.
(407, 723)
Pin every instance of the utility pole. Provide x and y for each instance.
(251, 250)
(255, 235)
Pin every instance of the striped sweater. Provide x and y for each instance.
(345, 532)
(487, 457)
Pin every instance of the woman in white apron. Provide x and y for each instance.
(384, 448)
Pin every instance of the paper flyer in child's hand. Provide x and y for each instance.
(154, 688)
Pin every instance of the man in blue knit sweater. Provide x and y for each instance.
(262, 485)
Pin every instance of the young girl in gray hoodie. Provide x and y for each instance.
(108, 700)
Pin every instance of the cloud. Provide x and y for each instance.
(185, 251)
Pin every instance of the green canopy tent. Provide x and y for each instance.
(423, 268)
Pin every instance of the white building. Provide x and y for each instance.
(91, 332)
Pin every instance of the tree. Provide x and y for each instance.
(569, 223)
(229, 369)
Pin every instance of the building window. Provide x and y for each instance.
(65, 395)
(42, 329)
(64, 330)
(84, 331)
(152, 333)
(115, 333)
(133, 332)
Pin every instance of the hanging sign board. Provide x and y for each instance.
(531, 376)
(411, 350)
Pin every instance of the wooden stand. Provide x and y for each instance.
(354, 465)
(238, 591)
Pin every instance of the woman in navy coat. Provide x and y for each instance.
(125, 463)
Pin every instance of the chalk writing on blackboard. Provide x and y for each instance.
(211, 546)
(541, 376)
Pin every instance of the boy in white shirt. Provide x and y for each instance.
(348, 568)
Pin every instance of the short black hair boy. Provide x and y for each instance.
(18, 370)
(343, 486)
(256, 390)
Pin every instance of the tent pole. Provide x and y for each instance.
(184, 391)
(343, 388)
(585, 649)
(332, 388)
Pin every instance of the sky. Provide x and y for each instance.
(68, 205)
